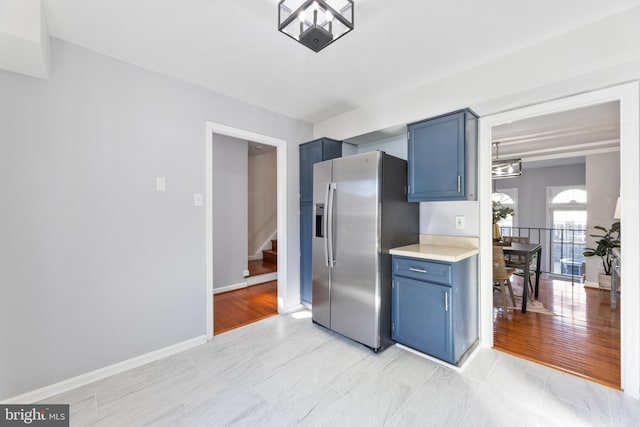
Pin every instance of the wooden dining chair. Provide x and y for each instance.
(517, 261)
(502, 276)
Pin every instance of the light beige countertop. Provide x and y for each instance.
(440, 248)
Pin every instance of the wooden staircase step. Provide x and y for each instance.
(274, 245)
(270, 256)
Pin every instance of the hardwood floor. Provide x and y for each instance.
(257, 267)
(583, 338)
(243, 306)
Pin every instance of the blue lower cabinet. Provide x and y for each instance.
(435, 313)
(422, 319)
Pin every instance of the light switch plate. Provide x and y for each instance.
(161, 183)
(459, 221)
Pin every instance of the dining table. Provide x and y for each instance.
(528, 251)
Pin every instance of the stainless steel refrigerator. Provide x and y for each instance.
(360, 211)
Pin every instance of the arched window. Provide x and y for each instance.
(507, 197)
(568, 222)
(571, 196)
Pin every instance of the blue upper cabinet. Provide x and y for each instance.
(314, 152)
(442, 157)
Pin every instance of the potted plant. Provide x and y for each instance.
(604, 245)
(500, 212)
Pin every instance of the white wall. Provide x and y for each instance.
(230, 209)
(395, 146)
(96, 267)
(603, 189)
(262, 199)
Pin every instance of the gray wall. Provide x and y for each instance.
(230, 181)
(262, 198)
(96, 267)
(603, 189)
(532, 190)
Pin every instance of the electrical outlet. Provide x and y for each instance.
(197, 199)
(459, 221)
(245, 273)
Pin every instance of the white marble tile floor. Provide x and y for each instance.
(286, 371)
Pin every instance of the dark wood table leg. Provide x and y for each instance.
(525, 278)
(538, 272)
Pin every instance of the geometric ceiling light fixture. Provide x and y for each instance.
(315, 23)
(507, 168)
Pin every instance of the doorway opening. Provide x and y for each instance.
(245, 194)
(213, 252)
(627, 98)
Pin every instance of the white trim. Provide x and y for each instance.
(230, 287)
(251, 281)
(629, 96)
(256, 280)
(442, 362)
(294, 308)
(99, 374)
(281, 146)
(267, 243)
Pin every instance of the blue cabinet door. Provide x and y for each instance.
(306, 229)
(442, 158)
(421, 313)
(310, 153)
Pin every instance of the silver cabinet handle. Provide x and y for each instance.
(446, 301)
(418, 270)
(459, 184)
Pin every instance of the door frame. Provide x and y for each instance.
(281, 146)
(628, 94)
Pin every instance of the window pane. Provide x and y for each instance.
(571, 196)
(502, 198)
(569, 241)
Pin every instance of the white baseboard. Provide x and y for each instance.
(89, 377)
(591, 285)
(230, 288)
(294, 308)
(254, 257)
(595, 285)
(441, 362)
(267, 277)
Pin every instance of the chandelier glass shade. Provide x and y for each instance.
(315, 23)
(505, 168)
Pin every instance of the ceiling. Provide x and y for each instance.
(233, 46)
(566, 134)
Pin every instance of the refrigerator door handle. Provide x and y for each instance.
(325, 225)
(329, 214)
